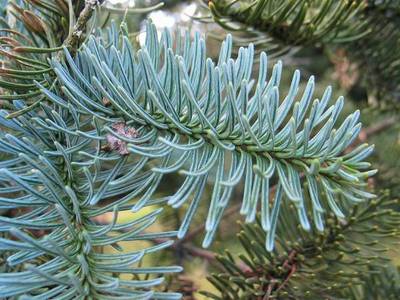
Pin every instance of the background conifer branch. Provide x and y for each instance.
(308, 265)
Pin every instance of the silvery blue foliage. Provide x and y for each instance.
(117, 120)
(211, 115)
(54, 242)
(54, 247)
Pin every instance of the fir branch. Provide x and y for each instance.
(377, 54)
(366, 29)
(381, 283)
(117, 120)
(279, 26)
(185, 108)
(339, 260)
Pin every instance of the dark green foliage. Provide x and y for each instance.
(345, 257)
(368, 30)
(378, 53)
(379, 284)
(290, 23)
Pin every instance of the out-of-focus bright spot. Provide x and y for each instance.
(126, 216)
(188, 11)
(141, 38)
(131, 3)
(162, 19)
(118, 1)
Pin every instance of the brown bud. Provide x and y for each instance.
(114, 143)
(106, 101)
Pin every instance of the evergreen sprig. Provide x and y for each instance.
(278, 26)
(368, 30)
(345, 261)
(194, 116)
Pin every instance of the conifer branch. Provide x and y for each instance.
(339, 260)
(116, 120)
(183, 104)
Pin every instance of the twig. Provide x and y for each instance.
(183, 248)
(291, 265)
(377, 128)
(73, 40)
(230, 211)
(199, 252)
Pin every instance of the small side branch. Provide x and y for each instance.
(73, 40)
(378, 128)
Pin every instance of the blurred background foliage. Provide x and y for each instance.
(361, 60)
